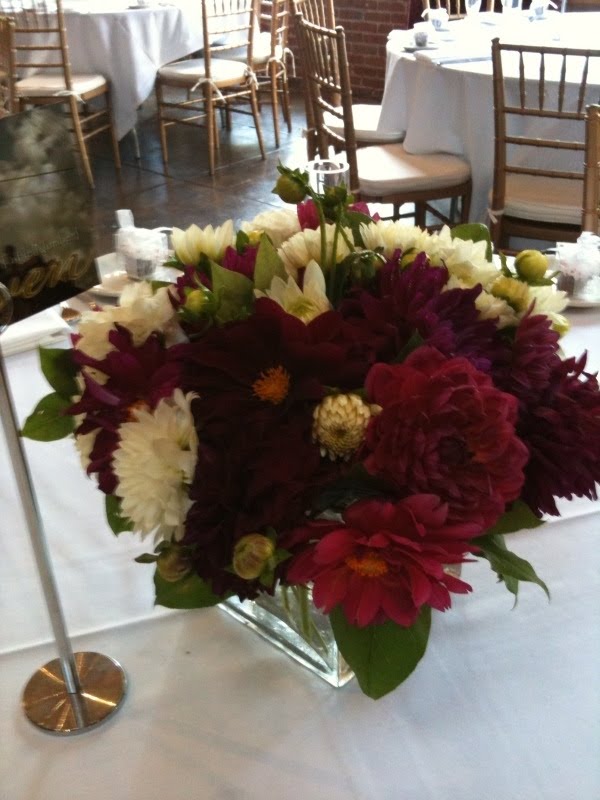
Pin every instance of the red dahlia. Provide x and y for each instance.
(384, 561)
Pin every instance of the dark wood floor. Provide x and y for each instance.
(185, 193)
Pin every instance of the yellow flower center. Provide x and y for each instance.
(273, 385)
(302, 308)
(137, 405)
(369, 565)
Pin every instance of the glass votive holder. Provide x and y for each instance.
(511, 6)
(325, 173)
(140, 251)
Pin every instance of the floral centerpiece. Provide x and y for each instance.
(322, 399)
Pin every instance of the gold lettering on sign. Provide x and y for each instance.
(37, 274)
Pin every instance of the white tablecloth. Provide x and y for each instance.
(127, 45)
(504, 706)
(448, 106)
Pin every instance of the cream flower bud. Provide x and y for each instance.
(173, 564)
(251, 555)
(339, 424)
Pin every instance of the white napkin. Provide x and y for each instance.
(39, 330)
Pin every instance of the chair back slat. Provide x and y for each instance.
(455, 8)
(317, 12)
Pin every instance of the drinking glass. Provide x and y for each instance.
(472, 7)
(510, 6)
(324, 173)
(140, 251)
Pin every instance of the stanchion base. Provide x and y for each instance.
(48, 705)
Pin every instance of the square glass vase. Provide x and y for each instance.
(290, 621)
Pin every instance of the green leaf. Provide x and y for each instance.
(189, 592)
(59, 370)
(382, 656)
(518, 517)
(117, 522)
(156, 285)
(416, 340)
(474, 232)
(233, 292)
(146, 558)
(508, 566)
(268, 265)
(353, 220)
(48, 421)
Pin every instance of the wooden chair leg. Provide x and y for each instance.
(211, 126)
(420, 209)
(161, 124)
(81, 145)
(274, 99)
(113, 134)
(256, 115)
(285, 101)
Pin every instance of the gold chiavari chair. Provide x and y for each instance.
(540, 98)
(378, 173)
(365, 115)
(455, 8)
(217, 80)
(591, 176)
(7, 69)
(42, 57)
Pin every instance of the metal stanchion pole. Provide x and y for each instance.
(76, 691)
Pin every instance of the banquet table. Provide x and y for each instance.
(442, 96)
(504, 706)
(127, 44)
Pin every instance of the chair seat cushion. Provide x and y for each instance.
(366, 120)
(388, 169)
(542, 199)
(261, 51)
(46, 85)
(224, 71)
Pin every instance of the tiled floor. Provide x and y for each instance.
(185, 192)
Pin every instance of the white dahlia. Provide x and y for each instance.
(155, 464)
(190, 244)
(306, 303)
(84, 442)
(464, 259)
(279, 225)
(306, 246)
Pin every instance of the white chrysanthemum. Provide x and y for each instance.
(491, 307)
(279, 225)
(306, 246)
(140, 311)
(190, 244)
(391, 236)
(154, 465)
(306, 303)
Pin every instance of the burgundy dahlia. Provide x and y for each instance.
(445, 429)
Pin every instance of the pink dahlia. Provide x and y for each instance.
(445, 429)
(384, 561)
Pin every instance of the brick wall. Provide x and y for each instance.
(367, 24)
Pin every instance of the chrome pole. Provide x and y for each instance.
(76, 690)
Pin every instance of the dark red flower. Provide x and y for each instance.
(241, 262)
(384, 561)
(252, 481)
(561, 427)
(444, 429)
(136, 375)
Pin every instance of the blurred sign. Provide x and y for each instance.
(46, 242)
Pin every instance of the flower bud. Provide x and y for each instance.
(195, 301)
(290, 189)
(251, 555)
(531, 265)
(173, 564)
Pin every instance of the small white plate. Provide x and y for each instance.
(576, 303)
(413, 48)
